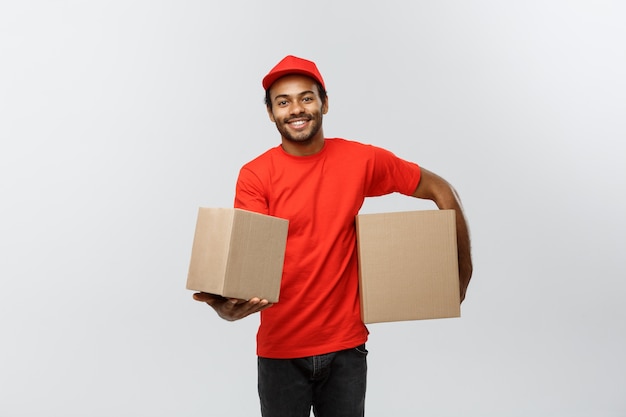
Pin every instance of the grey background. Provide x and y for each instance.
(119, 118)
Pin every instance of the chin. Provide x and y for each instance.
(300, 141)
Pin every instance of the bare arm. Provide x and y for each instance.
(435, 188)
(232, 309)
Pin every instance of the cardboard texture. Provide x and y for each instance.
(408, 266)
(237, 253)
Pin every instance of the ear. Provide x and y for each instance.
(270, 114)
(325, 106)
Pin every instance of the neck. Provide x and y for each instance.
(305, 148)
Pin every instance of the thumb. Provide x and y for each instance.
(204, 297)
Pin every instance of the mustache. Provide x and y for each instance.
(300, 116)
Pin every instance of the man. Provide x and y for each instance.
(311, 344)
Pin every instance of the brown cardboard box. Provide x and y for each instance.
(237, 253)
(408, 266)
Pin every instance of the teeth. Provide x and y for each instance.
(298, 123)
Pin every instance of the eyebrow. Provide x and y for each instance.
(303, 93)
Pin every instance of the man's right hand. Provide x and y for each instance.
(232, 309)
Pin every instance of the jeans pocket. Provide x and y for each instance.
(361, 349)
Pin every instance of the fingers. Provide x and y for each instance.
(235, 309)
(232, 309)
(217, 302)
(207, 297)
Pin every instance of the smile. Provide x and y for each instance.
(298, 123)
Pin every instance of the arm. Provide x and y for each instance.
(435, 188)
(232, 309)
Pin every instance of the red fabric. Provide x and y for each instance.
(318, 311)
(293, 65)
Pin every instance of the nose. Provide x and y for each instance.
(296, 107)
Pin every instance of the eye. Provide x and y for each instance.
(307, 99)
(282, 103)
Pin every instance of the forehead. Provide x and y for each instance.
(293, 84)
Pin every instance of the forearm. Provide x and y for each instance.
(464, 251)
(462, 240)
(435, 188)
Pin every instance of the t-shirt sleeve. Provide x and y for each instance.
(391, 174)
(249, 194)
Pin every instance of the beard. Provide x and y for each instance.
(305, 136)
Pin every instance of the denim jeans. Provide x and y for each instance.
(333, 384)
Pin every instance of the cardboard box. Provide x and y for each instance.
(408, 266)
(237, 253)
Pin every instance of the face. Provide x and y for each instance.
(297, 109)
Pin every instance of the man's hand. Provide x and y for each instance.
(232, 309)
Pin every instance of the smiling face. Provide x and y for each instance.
(297, 110)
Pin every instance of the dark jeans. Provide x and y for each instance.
(333, 384)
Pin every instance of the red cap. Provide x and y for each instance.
(293, 65)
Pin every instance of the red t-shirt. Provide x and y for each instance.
(318, 311)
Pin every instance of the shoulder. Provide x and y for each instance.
(345, 145)
(358, 149)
